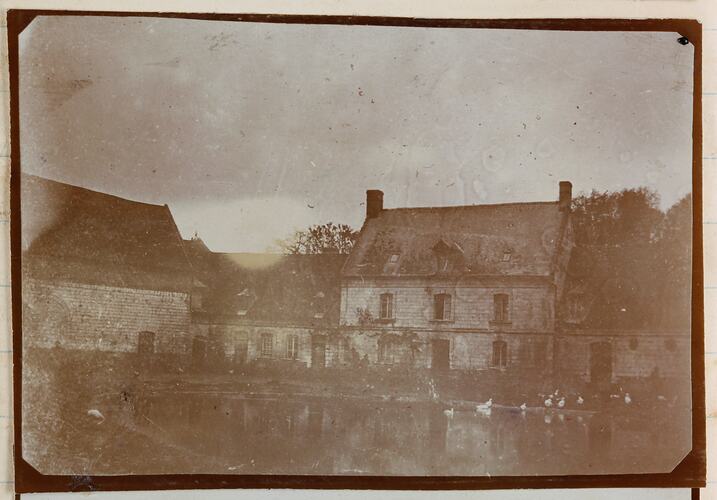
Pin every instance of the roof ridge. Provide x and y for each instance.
(483, 205)
(65, 185)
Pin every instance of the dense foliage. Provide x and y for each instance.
(632, 262)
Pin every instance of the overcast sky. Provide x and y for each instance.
(249, 131)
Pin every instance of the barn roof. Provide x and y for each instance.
(504, 239)
(296, 289)
(99, 238)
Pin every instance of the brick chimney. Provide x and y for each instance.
(566, 196)
(374, 203)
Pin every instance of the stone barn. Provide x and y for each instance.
(101, 273)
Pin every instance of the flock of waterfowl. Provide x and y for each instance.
(553, 401)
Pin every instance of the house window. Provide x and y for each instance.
(442, 306)
(386, 306)
(267, 345)
(292, 346)
(500, 307)
(500, 354)
(576, 307)
(384, 352)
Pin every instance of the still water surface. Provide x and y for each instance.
(231, 434)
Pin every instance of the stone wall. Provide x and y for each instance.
(633, 354)
(466, 351)
(530, 307)
(103, 318)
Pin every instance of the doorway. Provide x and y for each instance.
(601, 363)
(318, 352)
(440, 354)
(145, 344)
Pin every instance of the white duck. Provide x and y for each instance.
(523, 407)
(548, 402)
(628, 399)
(448, 413)
(580, 400)
(97, 415)
(561, 403)
(485, 406)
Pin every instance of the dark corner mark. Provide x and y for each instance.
(683, 40)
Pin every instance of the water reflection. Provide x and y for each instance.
(215, 434)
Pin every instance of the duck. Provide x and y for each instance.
(580, 400)
(548, 402)
(97, 415)
(561, 403)
(448, 413)
(485, 406)
(628, 399)
(523, 407)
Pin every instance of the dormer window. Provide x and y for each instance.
(319, 305)
(442, 307)
(443, 263)
(386, 311)
(245, 299)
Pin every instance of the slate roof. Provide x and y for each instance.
(72, 233)
(517, 239)
(294, 289)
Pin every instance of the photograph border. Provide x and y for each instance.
(689, 473)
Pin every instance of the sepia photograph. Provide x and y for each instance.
(297, 248)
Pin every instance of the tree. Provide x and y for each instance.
(321, 238)
(674, 260)
(631, 260)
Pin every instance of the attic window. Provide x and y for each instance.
(245, 299)
(506, 256)
(319, 305)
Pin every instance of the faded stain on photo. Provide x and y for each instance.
(253, 248)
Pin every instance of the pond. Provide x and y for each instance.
(231, 434)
